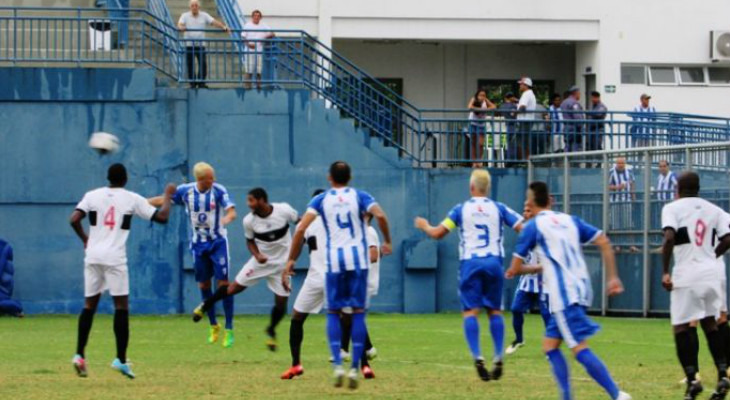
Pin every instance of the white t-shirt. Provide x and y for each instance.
(271, 234)
(110, 212)
(529, 101)
(316, 239)
(253, 31)
(697, 224)
(374, 274)
(201, 21)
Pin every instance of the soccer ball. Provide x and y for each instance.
(104, 142)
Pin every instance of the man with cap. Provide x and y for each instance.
(644, 114)
(573, 116)
(526, 144)
(596, 127)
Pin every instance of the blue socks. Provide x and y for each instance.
(561, 373)
(208, 293)
(496, 326)
(518, 320)
(228, 310)
(359, 333)
(334, 336)
(598, 371)
(471, 331)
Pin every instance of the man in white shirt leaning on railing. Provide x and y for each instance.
(254, 32)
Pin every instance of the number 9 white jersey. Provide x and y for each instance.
(110, 212)
(698, 224)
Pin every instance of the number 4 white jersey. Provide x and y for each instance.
(697, 224)
(110, 212)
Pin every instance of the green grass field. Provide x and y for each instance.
(420, 357)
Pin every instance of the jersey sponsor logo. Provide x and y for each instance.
(202, 217)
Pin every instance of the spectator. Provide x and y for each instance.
(556, 127)
(478, 105)
(572, 113)
(508, 110)
(596, 127)
(667, 184)
(8, 306)
(254, 32)
(644, 114)
(192, 23)
(621, 183)
(526, 116)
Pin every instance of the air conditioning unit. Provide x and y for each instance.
(720, 45)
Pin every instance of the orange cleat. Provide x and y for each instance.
(367, 372)
(293, 372)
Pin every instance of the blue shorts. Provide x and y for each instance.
(346, 289)
(211, 259)
(571, 325)
(480, 283)
(525, 301)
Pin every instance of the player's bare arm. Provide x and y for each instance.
(667, 249)
(518, 267)
(613, 282)
(374, 253)
(296, 248)
(163, 213)
(230, 216)
(76, 217)
(254, 250)
(723, 246)
(379, 214)
(434, 232)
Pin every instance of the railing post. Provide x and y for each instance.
(605, 206)
(566, 184)
(688, 158)
(15, 36)
(530, 170)
(78, 37)
(647, 226)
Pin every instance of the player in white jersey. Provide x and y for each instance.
(481, 223)
(210, 209)
(691, 228)
(343, 210)
(557, 239)
(268, 240)
(110, 211)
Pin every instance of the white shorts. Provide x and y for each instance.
(253, 272)
(99, 278)
(311, 297)
(254, 63)
(696, 302)
(723, 292)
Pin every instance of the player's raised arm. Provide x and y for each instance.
(162, 215)
(434, 232)
(382, 219)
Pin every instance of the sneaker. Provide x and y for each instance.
(723, 386)
(623, 396)
(228, 338)
(367, 372)
(497, 370)
(125, 369)
(198, 313)
(338, 377)
(693, 390)
(292, 372)
(271, 343)
(482, 370)
(514, 347)
(80, 366)
(213, 333)
(371, 353)
(352, 379)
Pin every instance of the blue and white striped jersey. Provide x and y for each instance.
(342, 212)
(204, 209)
(557, 238)
(481, 226)
(616, 177)
(666, 186)
(530, 283)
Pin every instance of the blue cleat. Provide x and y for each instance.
(125, 369)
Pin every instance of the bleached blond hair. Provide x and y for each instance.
(481, 181)
(201, 168)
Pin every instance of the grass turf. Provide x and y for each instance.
(420, 357)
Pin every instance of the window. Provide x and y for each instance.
(718, 75)
(633, 74)
(692, 76)
(662, 76)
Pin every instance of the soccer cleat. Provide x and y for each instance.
(697, 378)
(228, 338)
(371, 353)
(198, 313)
(292, 372)
(344, 356)
(367, 372)
(497, 370)
(213, 333)
(723, 386)
(514, 347)
(125, 369)
(482, 370)
(338, 378)
(271, 343)
(352, 379)
(623, 396)
(80, 366)
(693, 390)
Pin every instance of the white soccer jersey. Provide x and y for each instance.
(205, 209)
(374, 274)
(110, 212)
(530, 283)
(316, 238)
(342, 213)
(557, 239)
(481, 221)
(271, 234)
(697, 224)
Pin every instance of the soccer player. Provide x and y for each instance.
(110, 211)
(268, 240)
(529, 294)
(557, 238)
(342, 209)
(480, 221)
(691, 228)
(210, 209)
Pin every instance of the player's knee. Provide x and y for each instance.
(204, 285)
(708, 324)
(470, 313)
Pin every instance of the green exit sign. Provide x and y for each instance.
(609, 88)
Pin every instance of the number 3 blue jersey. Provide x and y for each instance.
(342, 212)
(481, 224)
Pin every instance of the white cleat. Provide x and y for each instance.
(623, 396)
(338, 377)
(371, 354)
(344, 356)
(697, 378)
(352, 379)
(512, 349)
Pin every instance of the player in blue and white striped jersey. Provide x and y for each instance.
(210, 209)
(557, 238)
(530, 293)
(666, 183)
